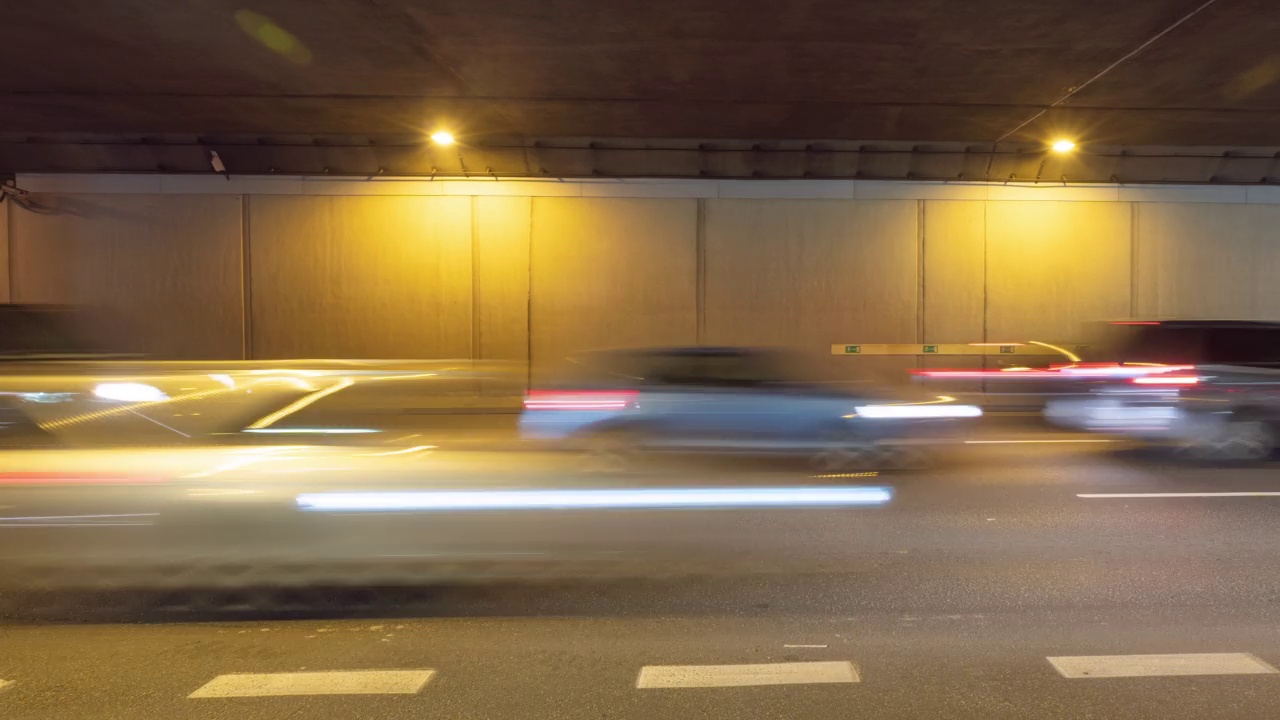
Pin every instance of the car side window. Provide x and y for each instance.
(675, 370)
(1244, 346)
(716, 371)
(1164, 344)
(737, 371)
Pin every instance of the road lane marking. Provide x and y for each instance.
(1115, 666)
(1101, 496)
(699, 676)
(1036, 442)
(349, 682)
(804, 646)
(5, 685)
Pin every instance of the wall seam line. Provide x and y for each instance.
(528, 298)
(919, 279)
(700, 278)
(986, 285)
(476, 329)
(1133, 260)
(246, 282)
(11, 271)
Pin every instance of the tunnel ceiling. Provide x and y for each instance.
(915, 71)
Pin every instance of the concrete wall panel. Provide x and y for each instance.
(1208, 261)
(954, 271)
(501, 232)
(609, 273)
(4, 251)
(502, 228)
(811, 273)
(361, 277)
(167, 268)
(1052, 266)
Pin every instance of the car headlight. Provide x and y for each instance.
(129, 392)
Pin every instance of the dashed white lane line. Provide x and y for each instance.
(349, 682)
(5, 685)
(1099, 496)
(804, 646)
(1116, 666)
(701, 676)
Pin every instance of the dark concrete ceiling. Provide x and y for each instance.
(864, 70)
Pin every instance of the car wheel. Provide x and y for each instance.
(911, 457)
(609, 453)
(843, 451)
(1240, 441)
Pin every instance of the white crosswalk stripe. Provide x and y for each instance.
(348, 682)
(798, 673)
(1115, 666)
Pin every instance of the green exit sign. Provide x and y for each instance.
(852, 349)
(930, 348)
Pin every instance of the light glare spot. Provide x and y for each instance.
(273, 37)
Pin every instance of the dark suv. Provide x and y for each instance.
(1209, 387)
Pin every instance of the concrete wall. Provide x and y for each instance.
(610, 272)
(1053, 265)
(1208, 261)
(502, 271)
(806, 273)
(166, 267)
(386, 277)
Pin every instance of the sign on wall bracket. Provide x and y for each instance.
(979, 349)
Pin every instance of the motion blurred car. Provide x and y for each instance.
(1209, 388)
(728, 400)
(67, 381)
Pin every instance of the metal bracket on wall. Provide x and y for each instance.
(8, 188)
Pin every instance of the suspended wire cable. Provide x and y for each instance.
(1073, 91)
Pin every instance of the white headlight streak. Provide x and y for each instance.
(129, 392)
(918, 411)
(648, 498)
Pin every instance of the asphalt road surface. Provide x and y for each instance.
(1032, 581)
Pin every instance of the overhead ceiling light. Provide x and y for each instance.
(1063, 146)
(442, 138)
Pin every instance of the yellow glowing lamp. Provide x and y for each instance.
(1063, 146)
(442, 138)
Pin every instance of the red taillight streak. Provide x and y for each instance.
(1166, 380)
(977, 374)
(578, 400)
(552, 405)
(1082, 371)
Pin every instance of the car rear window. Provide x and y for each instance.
(1188, 344)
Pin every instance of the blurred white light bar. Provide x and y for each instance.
(603, 498)
(129, 392)
(1124, 371)
(918, 411)
(310, 431)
